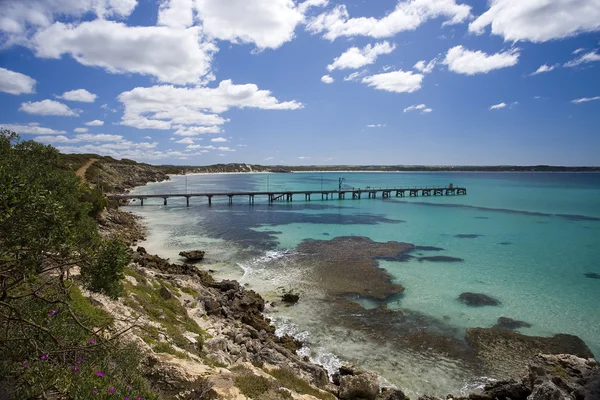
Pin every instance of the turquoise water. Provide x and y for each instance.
(536, 235)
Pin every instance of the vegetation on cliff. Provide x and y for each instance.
(53, 341)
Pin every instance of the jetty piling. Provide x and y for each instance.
(288, 195)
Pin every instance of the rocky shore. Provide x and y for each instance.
(235, 353)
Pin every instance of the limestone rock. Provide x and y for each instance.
(363, 386)
(192, 255)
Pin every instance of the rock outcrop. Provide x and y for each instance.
(478, 299)
(192, 255)
(505, 354)
(509, 323)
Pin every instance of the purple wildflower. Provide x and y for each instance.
(92, 341)
(58, 339)
(75, 368)
(78, 361)
(111, 390)
(94, 391)
(99, 373)
(43, 356)
(51, 313)
(139, 398)
(25, 365)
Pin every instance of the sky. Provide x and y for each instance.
(306, 82)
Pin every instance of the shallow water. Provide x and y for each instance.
(527, 239)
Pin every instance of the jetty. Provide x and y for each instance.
(286, 195)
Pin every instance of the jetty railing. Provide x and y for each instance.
(287, 195)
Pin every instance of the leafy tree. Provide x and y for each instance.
(53, 342)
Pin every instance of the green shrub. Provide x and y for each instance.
(251, 385)
(290, 380)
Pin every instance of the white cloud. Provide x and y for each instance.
(47, 107)
(464, 61)
(355, 75)
(176, 13)
(242, 145)
(17, 15)
(544, 68)
(15, 82)
(498, 106)
(539, 20)
(80, 130)
(592, 56)
(305, 5)
(196, 130)
(425, 67)
(32, 128)
(303, 158)
(218, 140)
(78, 95)
(225, 149)
(100, 137)
(418, 107)
(135, 151)
(186, 140)
(354, 57)
(95, 122)
(376, 126)
(167, 107)
(407, 15)
(396, 81)
(327, 79)
(585, 99)
(577, 51)
(55, 139)
(179, 56)
(147, 137)
(268, 24)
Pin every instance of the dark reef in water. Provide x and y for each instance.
(592, 275)
(509, 323)
(428, 248)
(348, 265)
(441, 259)
(467, 236)
(505, 243)
(478, 299)
(481, 217)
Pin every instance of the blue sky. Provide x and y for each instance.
(197, 82)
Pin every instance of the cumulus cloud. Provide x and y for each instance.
(170, 107)
(80, 130)
(95, 122)
(327, 79)
(396, 81)
(354, 57)
(425, 67)
(78, 95)
(179, 56)
(176, 13)
(17, 15)
(218, 140)
(498, 106)
(223, 148)
(468, 62)
(267, 24)
(15, 82)
(47, 107)
(186, 140)
(539, 20)
(408, 15)
(307, 4)
(544, 68)
(100, 137)
(592, 56)
(418, 107)
(32, 128)
(585, 99)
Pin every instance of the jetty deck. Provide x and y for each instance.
(286, 195)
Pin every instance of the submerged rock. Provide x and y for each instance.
(505, 353)
(192, 255)
(290, 298)
(441, 259)
(592, 275)
(428, 248)
(478, 299)
(348, 265)
(509, 323)
(467, 236)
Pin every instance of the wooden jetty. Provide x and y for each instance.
(286, 195)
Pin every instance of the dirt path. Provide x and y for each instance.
(81, 171)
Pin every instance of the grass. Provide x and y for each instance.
(251, 385)
(164, 347)
(190, 291)
(170, 314)
(290, 380)
(83, 306)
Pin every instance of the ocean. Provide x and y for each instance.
(526, 239)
